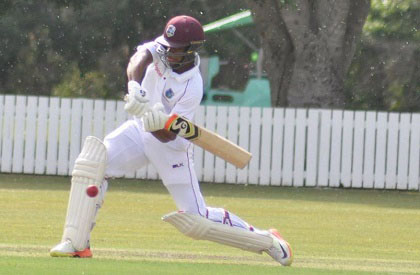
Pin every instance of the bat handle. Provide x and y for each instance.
(169, 122)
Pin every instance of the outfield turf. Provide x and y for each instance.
(331, 230)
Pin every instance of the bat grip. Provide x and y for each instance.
(170, 121)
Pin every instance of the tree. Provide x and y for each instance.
(394, 20)
(57, 46)
(308, 48)
(385, 73)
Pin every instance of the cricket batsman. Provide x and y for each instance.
(163, 79)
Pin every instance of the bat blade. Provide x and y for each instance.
(209, 141)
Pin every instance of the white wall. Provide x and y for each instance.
(290, 147)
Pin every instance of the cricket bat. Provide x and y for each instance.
(208, 140)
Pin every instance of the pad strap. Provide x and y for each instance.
(91, 161)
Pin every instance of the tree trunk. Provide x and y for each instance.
(308, 47)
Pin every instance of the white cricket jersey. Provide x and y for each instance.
(179, 93)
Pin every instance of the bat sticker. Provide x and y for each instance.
(182, 127)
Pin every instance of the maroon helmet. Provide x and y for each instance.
(181, 32)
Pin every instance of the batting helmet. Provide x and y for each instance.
(181, 32)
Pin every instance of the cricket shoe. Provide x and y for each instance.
(281, 251)
(66, 249)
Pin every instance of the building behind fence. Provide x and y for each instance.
(290, 147)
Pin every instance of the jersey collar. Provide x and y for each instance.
(187, 74)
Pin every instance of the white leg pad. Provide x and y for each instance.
(89, 169)
(200, 228)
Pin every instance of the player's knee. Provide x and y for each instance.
(192, 209)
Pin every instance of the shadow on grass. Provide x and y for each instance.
(382, 198)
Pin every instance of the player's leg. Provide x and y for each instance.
(222, 226)
(89, 169)
(256, 240)
(122, 151)
(197, 221)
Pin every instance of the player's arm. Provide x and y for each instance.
(135, 71)
(164, 135)
(137, 99)
(138, 64)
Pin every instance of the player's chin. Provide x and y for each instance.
(174, 60)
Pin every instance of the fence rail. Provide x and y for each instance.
(290, 147)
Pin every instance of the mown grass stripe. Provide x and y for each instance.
(351, 264)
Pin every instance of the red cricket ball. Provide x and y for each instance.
(92, 191)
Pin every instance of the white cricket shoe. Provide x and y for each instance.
(66, 249)
(281, 251)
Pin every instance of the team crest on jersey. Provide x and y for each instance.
(170, 31)
(169, 93)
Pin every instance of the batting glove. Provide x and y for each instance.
(155, 118)
(137, 100)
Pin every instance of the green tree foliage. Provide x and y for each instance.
(396, 19)
(64, 47)
(45, 44)
(28, 58)
(385, 75)
(75, 84)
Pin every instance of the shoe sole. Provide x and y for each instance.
(69, 255)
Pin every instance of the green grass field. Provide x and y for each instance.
(331, 230)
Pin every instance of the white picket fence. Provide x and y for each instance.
(290, 147)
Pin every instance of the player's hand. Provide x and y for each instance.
(155, 118)
(137, 100)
